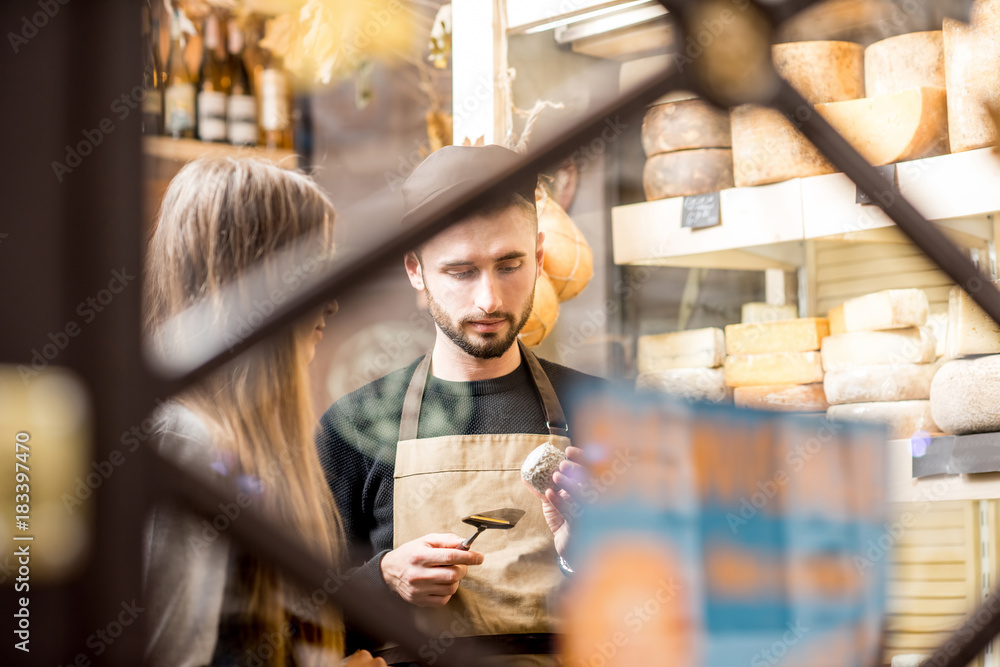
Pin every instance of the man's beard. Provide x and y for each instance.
(492, 344)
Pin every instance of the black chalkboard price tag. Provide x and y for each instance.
(700, 211)
(888, 172)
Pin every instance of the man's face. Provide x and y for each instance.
(479, 278)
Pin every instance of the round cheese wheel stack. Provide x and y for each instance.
(913, 60)
(971, 54)
(767, 148)
(544, 313)
(568, 261)
(965, 395)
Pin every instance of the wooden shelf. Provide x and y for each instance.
(765, 226)
(185, 150)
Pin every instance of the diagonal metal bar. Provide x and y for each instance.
(379, 616)
(354, 269)
(971, 638)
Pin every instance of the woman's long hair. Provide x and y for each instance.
(220, 218)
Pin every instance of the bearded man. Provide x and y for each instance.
(412, 453)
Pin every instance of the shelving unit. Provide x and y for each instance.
(185, 150)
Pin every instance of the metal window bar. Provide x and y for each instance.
(122, 396)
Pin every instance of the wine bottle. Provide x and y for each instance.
(152, 83)
(241, 106)
(213, 84)
(275, 106)
(179, 100)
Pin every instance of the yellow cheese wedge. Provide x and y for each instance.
(970, 329)
(848, 351)
(888, 309)
(751, 370)
(971, 53)
(783, 398)
(799, 335)
(696, 348)
(905, 61)
(893, 128)
(836, 318)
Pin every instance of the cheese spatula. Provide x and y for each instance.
(503, 519)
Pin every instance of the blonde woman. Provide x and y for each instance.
(210, 603)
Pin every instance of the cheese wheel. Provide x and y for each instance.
(767, 148)
(694, 348)
(884, 382)
(888, 309)
(544, 313)
(568, 260)
(751, 370)
(842, 352)
(684, 173)
(822, 71)
(965, 395)
(683, 125)
(783, 398)
(971, 54)
(691, 384)
(970, 330)
(898, 63)
(798, 335)
(893, 128)
(765, 312)
(904, 418)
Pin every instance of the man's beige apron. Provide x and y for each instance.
(438, 481)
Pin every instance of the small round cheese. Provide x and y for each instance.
(540, 465)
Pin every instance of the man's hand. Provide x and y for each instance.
(426, 571)
(362, 659)
(562, 503)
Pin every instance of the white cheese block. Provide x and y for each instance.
(756, 312)
(885, 382)
(696, 348)
(915, 345)
(904, 418)
(782, 398)
(970, 329)
(692, 384)
(965, 395)
(889, 309)
(908, 660)
(893, 128)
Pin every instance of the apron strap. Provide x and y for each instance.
(555, 419)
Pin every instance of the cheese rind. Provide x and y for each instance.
(904, 418)
(685, 173)
(905, 61)
(765, 312)
(970, 329)
(783, 398)
(752, 370)
(915, 345)
(938, 324)
(970, 55)
(692, 384)
(886, 382)
(965, 395)
(889, 309)
(798, 335)
(684, 125)
(822, 70)
(767, 148)
(696, 348)
(893, 128)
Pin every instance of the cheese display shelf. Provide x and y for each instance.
(766, 226)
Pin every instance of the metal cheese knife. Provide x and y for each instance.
(502, 519)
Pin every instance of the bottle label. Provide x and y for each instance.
(212, 116)
(242, 120)
(179, 107)
(152, 103)
(273, 100)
